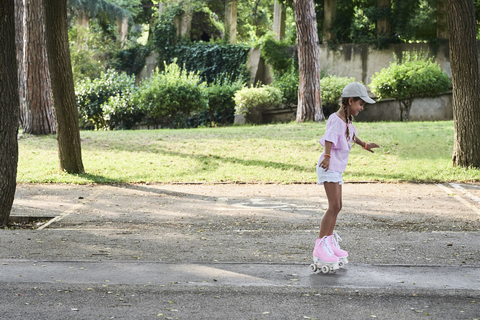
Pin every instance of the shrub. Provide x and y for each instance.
(171, 94)
(84, 54)
(131, 60)
(416, 76)
(331, 91)
(221, 103)
(332, 88)
(260, 98)
(106, 101)
(288, 84)
(275, 53)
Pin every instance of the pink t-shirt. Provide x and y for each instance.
(336, 132)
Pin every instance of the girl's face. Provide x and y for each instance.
(355, 106)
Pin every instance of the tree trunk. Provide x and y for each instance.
(309, 101)
(9, 110)
(38, 117)
(63, 91)
(19, 12)
(466, 82)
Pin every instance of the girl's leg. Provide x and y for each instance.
(334, 196)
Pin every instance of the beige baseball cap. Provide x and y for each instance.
(354, 90)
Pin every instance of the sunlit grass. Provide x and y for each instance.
(284, 153)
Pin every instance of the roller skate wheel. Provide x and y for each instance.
(313, 267)
(341, 264)
(325, 269)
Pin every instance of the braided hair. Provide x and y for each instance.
(348, 118)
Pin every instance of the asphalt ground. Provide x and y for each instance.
(203, 251)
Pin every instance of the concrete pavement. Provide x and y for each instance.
(241, 251)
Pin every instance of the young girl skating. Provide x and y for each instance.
(339, 136)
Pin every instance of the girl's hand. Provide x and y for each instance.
(370, 146)
(325, 163)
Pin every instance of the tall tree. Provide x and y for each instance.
(63, 91)
(466, 82)
(37, 115)
(309, 101)
(9, 110)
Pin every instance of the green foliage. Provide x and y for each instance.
(260, 98)
(94, 7)
(106, 103)
(221, 103)
(415, 76)
(212, 59)
(331, 92)
(255, 18)
(356, 22)
(131, 60)
(275, 53)
(287, 83)
(87, 51)
(331, 88)
(171, 95)
(209, 59)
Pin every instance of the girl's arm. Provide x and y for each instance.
(326, 159)
(366, 146)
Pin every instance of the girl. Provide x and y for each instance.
(339, 136)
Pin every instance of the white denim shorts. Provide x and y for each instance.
(328, 176)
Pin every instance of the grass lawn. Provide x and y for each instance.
(284, 153)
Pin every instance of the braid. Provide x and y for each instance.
(348, 118)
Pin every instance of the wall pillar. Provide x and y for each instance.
(329, 9)
(383, 25)
(442, 26)
(122, 30)
(279, 18)
(231, 20)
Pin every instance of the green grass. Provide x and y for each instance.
(284, 153)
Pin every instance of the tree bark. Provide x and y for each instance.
(309, 100)
(38, 115)
(466, 82)
(63, 91)
(19, 35)
(9, 110)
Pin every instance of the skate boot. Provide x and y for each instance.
(323, 257)
(342, 255)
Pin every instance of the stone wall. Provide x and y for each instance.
(362, 61)
(423, 109)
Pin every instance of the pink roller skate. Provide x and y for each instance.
(342, 255)
(323, 257)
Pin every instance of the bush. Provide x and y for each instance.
(171, 95)
(416, 76)
(105, 102)
(275, 53)
(260, 98)
(331, 92)
(288, 84)
(221, 103)
(131, 60)
(85, 53)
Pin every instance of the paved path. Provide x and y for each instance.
(428, 277)
(240, 252)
